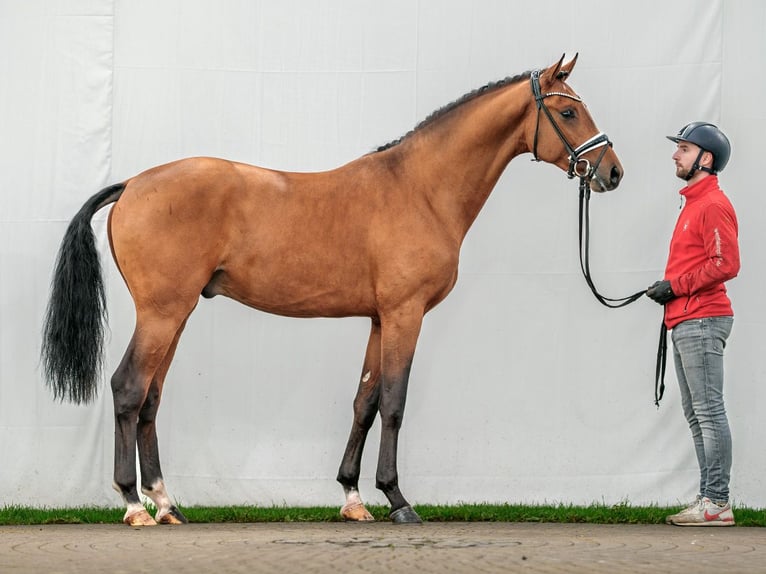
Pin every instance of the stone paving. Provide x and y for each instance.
(381, 547)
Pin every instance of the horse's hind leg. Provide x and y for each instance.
(131, 385)
(152, 483)
(365, 409)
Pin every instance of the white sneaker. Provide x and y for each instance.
(705, 513)
(688, 510)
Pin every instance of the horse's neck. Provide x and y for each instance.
(459, 162)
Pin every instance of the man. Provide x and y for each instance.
(704, 254)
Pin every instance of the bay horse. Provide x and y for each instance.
(378, 237)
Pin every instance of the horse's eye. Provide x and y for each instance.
(568, 114)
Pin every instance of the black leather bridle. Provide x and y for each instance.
(582, 168)
(578, 165)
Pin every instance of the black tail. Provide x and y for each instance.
(75, 321)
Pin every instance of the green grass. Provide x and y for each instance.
(594, 514)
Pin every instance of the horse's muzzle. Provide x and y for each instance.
(606, 177)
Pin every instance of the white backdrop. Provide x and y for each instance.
(524, 389)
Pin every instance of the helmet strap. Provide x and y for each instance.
(696, 166)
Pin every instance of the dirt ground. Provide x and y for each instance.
(381, 547)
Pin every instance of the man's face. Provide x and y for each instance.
(685, 155)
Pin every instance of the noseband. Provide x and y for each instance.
(578, 165)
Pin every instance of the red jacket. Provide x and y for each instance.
(703, 254)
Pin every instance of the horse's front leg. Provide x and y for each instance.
(365, 409)
(398, 339)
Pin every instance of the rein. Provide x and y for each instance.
(581, 167)
(584, 235)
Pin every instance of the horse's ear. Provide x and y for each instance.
(566, 69)
(558, 71)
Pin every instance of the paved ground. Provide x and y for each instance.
(381, 547)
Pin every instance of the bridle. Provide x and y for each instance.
(578, 165)
(582, 168)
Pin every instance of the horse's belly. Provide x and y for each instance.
(300, 293)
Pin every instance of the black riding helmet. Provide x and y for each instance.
(709, 138)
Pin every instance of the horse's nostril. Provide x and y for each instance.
(616, 175)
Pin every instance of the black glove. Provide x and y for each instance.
(660, 292)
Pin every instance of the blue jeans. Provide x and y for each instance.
(698, 346)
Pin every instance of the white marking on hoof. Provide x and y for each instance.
(356, 513)
(136, 515)
(354, 509)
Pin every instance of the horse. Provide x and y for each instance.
(378, 237)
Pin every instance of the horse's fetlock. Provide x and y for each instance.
(387, 484)
(126, 490)
(347, 478)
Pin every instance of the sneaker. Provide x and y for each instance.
(706, 513)
(692, 508)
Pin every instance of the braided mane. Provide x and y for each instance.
(469, 97)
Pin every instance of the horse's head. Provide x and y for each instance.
(567, 136)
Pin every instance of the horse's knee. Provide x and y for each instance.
(364, 413)
(392, 401)
(392, 418)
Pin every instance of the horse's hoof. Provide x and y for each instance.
(405, 515)
(139, 518)
(356, 512)
(172, 516)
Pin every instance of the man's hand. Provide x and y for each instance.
(660, 292)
